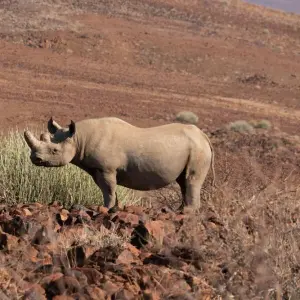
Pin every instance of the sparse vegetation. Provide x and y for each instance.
(264, 124)
(21, 181)
(244, 243)
(240, 126)
(245, 249)
(187, 117)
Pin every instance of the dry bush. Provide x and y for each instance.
(264, 124)
(240, 126)
(246, 248)
(187, 117)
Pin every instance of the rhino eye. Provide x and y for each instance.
(54, 151)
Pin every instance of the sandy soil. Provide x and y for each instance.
(145, 62)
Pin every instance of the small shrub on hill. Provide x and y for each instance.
(240, 126)
(21, 181)
(264, 124)
(187, 117)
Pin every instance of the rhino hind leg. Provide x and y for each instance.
(194, 176)
(107, 182)
(181, 180)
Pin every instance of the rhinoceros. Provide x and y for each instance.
(115, 152)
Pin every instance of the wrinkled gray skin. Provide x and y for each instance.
(115, 152)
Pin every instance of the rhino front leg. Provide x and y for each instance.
(107, 182)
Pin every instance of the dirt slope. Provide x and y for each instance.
(146, 61)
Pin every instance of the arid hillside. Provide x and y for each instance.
(236, 66)
(145, 61)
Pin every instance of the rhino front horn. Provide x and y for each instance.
(31, 141)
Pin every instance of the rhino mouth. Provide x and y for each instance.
(39, 162)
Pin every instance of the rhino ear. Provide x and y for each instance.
(53, 126)
(72, 128)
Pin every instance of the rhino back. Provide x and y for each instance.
(143, 157)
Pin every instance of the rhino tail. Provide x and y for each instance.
(212, 163)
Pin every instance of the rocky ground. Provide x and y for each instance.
(89, 253)
(241, 245)
(145, 61)
(48, 252)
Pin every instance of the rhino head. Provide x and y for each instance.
(55, 148)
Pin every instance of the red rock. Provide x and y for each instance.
(166, 216)
(110, 288)
(44, 259)
(93, 276)
(146, 280)
(84, 216)
(132, 287)
(17, 276)
(103, 210)
(64, 214)
(43, 236)
(180, 218)
(35, 205)
(27, 212)
(144, 255)
(66, 285)
(212, 226)
(126, 217)
(132, 249)
(150, 295)
(124, 295)
(117, 279)
(8, 242)
(127, 257)
(79, 255)
(156, 229)
(80, 296)
(53, 277)
(80, 276)
(96, 293)
(62, 297)
(69, 235)
(137, 210)
(76, 256)
(31, 254)
(14, 226)
(56, 205)
(35, 292)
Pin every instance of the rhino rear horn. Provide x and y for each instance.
(72, 128)
(53, 126)
(31, 141)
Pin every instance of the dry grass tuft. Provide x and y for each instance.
(240, 126)
(187, 117)
(264, 124)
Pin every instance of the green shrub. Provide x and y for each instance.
(240, 126)
(265, 124)
(187, 117)
(21, 181)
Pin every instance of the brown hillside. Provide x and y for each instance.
(145, 61)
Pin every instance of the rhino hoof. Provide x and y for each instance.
(113, 209)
